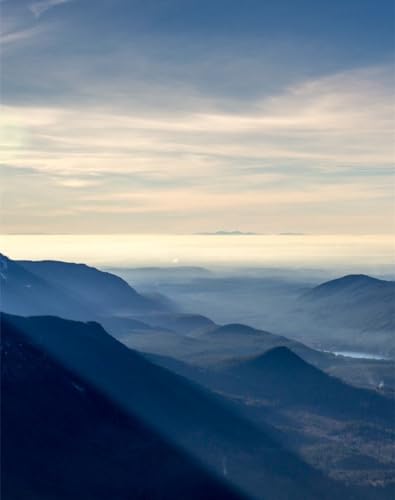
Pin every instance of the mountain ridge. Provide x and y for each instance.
(63, 439)
(190, 416)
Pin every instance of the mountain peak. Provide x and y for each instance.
(349, 283)
(279, 358)
(281, 353)
(354, 278)
(350, 280)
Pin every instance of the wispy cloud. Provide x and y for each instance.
(344, 120)
(19, 36)
(39, 8)
(16, 31)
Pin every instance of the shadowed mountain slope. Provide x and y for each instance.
(282, 376)
(73, 291)
(101, 289)
(24, 292)
(62, 439)
(195, 420)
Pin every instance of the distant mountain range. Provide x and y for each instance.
(246, 341)
(228, 233)
(244, 233)
(76, 291)
(213, 403)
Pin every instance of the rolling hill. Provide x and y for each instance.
(283, 377)
(354, 301)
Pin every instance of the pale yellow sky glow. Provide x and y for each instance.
(168, 250)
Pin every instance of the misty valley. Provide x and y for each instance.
(196, 383)
(197, 281)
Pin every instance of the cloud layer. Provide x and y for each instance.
(154, 143)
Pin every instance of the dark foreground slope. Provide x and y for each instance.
(346, 432)
(193, 419)
(62, 439)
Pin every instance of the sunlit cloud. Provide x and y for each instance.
(341, 120)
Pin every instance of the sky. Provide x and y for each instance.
(186, 116)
